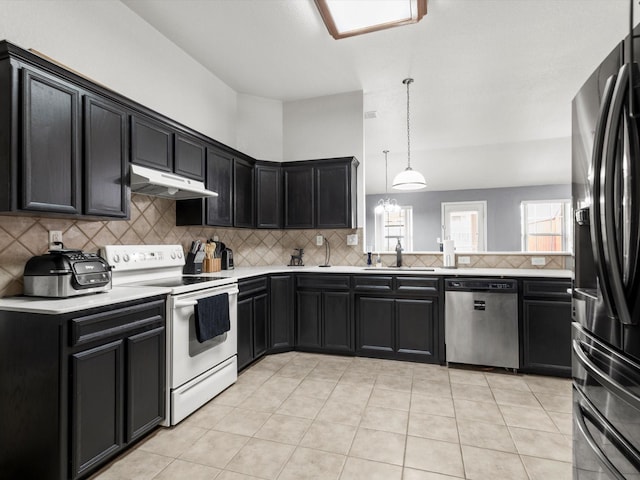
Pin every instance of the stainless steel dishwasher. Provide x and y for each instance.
(481, 322)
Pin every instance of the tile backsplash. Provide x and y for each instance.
(153, 222)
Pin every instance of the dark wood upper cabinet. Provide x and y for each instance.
(189, 157)
(151, 143)
(298, 196)
(232, 178)
(50, 173)
(106, 159)
(219, 211)
(320, 193)
(268, 196)
(243, 183)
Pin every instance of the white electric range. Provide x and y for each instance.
(196, 372)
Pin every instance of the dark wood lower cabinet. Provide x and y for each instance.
(375, 325)
(82, 388)
(96, 405)
(253, 320)
(546, 337)
(281, 313)
(398, 328)
(324, 321)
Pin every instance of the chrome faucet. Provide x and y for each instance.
(398, 254)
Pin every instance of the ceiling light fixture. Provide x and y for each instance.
(409, 179)
(346, 18)
(386, 204)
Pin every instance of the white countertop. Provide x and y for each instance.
(121, 294)
(246, 272)
(56, 306)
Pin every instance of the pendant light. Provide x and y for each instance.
(386, 205)
(409, 179)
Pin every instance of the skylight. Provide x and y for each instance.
(346, 18)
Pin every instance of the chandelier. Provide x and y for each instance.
(386, 204)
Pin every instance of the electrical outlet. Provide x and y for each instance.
(319, 240)
(352, 239)
(215, 238)
(55, 239)
(464, 260)
(538, 261)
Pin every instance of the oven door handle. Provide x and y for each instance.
(184, 304)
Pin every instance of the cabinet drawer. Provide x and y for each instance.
(374, 283)
(334, 282)
(546, 288)
(417, 285)
(116, 323)
(251, 286)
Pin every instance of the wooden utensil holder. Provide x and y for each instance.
(210, 265)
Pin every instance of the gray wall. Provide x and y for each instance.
(503, 213)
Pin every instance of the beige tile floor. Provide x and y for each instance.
(296, 416)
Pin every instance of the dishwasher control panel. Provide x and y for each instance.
(481, 285)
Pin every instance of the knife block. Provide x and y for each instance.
(193, 263)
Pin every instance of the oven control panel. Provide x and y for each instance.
(137, 257)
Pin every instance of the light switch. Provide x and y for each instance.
(464, 260)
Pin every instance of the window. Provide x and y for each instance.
(465, 224)
(546, 226)
(393, 225)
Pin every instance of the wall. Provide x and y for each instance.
(109, 43)
(260, 127)
(326, 127)
(503, 213)
(153, 222)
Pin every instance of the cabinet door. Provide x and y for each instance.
(298, 197)
(260, 322)
(243, 184)
(245, 334)
(106, 159)
(96, 405)
(151, 144)
(50, 145)
(189, 157)
(547, 336)
(375, 326)
(337, 323)
(220, 180)
(417, 329)
(268, 196)
(332, 196)
(145, 382)
(308, 319)
(281, 312)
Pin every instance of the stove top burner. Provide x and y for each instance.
(178, 282)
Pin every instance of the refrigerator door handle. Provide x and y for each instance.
(597, 241)
(604, 379)
(609, 233)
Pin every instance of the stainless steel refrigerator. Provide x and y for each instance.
(606, 293)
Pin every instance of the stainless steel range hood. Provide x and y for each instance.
(166, 185)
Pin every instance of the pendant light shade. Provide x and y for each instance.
(409, 179)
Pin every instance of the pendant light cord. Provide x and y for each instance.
(386, 173)
(407, 82)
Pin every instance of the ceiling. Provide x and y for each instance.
(494, 79)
